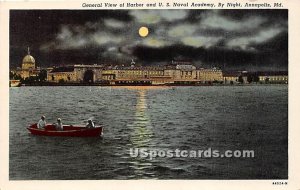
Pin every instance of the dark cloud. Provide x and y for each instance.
(250, 39)
(38, 26)
(195, 16)
(274, 51)
(205, 56)
(274, 45)
(240, 14)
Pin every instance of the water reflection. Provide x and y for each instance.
(141, 126)
(141, 135)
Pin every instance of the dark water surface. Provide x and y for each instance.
(187, 118)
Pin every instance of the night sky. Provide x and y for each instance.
(236, 39)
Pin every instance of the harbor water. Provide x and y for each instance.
(161, 118)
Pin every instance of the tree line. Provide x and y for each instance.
(41, 77)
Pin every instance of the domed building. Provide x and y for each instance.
(28, 68)
(28, 61)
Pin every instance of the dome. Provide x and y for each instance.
(28, 59)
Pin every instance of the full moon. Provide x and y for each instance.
(143, 31)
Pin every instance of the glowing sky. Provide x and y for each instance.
(248, 39)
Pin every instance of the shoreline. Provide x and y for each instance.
(152, 85)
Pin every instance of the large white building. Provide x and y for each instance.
(155, 75)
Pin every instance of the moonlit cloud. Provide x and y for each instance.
(182, 30)
(114, 23)
(173, 15)
(146, 16)
(65, 33)
(66, 39)
(161, 34)
(102, 38)
(260, 37)
(218, 22)
(153, 42)
(155, 16)
(200, 41)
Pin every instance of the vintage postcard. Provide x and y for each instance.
(149, 94)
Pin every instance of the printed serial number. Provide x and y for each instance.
(279, 183)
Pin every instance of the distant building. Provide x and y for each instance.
(263, 77)
(273, 77)
(28, 68)
(156, 75)
(231, 77)
(61, 74)
(75, 73)
(210, 75)
(182, 72)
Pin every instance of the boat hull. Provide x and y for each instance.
(14, 83)
(69, 131)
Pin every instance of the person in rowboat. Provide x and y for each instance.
(42, 123)
(59, 125)
(90, 124)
